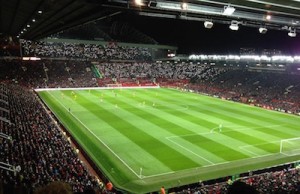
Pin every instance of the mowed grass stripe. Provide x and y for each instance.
(268, 147)
(265, 114)
(86, 140)
(156, 148)
(207, 143)
(157, 118)
(218, 137)
(156, 126)
(188, 114)
(271, 147)
(154, 111)
(265, 127)
(126, 110)
(135, 156)
(277, 117)
(259, 115)
(259, 144)
(278, 130)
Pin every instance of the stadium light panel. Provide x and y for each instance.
(138, 2)
(228, 10)
(208, 24)
(292, 32)
(268, 17)
(262, 30)
(234, 25)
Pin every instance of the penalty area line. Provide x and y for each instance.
(98, 138)
(161, 174)
(225, 131)
(168, 138)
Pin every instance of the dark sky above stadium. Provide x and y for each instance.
(192, 38)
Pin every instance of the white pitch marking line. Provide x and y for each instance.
(155, 175)
(287, 154)
(189, 150)
(240, 160)
(253, 145)
(98, 138)
(242, 148)
(205, 133)
(238, 129)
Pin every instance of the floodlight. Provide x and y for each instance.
(234, 25)
(184, 6)
(228, 10)
(292, 32)
(262, 30)
(208, 24)
(138, 2)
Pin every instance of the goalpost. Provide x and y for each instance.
(290, 146)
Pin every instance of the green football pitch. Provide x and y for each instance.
(143, 139)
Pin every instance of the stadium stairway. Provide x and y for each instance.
(96, 72)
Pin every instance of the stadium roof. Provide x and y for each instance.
(33, 19)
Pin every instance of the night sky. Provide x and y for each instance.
(192, 38)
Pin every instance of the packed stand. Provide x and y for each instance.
(277, 182)
(162, 73)
(49, 74)
(38, 149)
(110, 51)
(269, 90)
(69, 74)
(9, 46)
(274, 91)
(32, 126)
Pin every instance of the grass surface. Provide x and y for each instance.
(147, 138)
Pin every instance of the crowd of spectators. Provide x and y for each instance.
(162, 73)
(110, 51)
(165, 70)
(37, 148)
(9, 46)
(39, 161)
(276, 182)
(49, 74)
(268, 90)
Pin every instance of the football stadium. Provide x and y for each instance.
(142, 96)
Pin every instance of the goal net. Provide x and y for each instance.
(290, 146)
